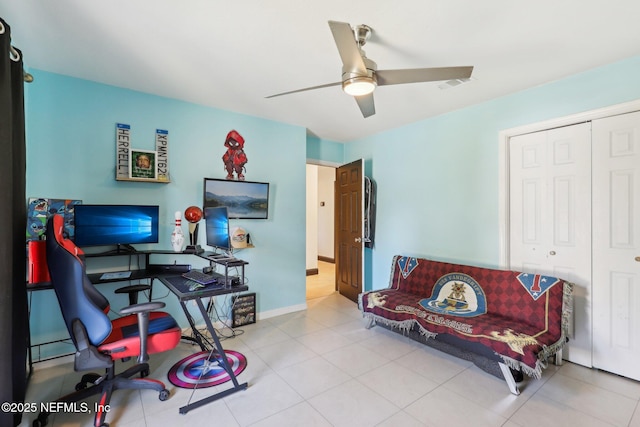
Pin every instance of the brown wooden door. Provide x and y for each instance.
(349, 228)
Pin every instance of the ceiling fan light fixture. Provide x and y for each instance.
(359, 86)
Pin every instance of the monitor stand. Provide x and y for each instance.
(122, 249)
(221, 255)
(193, 249)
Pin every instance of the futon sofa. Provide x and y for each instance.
(506, 322)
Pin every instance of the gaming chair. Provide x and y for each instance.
(100, 341)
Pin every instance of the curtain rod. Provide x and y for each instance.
(15, 56)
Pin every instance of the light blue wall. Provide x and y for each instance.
(325, 150)
(437, 179)
(71, 154)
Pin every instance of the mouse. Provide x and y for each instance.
(195, 286)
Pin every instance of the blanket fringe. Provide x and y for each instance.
(519, 366)
(425, 332)
(567, 307)
(404, 325)
(567, 311)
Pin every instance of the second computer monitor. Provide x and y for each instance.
(217, 228)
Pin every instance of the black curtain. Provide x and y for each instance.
(14, 319)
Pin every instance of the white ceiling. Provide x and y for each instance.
(231, 54)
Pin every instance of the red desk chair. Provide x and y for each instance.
(100, 341)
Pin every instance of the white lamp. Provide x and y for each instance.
(359, 85)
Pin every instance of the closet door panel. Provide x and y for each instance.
(550, 217)
(616, 244)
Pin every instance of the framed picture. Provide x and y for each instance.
(243, 199)
(243, 311)
(142, 164)
(40, 209)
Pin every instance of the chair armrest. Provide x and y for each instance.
(142, 307)
(142, 311)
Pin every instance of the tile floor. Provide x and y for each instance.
(321, 367)
(323, 283)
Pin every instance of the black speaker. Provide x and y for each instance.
(168, 268)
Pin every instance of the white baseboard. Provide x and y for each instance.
(280, 311)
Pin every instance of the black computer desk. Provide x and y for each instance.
(180, 288)
(146, 271)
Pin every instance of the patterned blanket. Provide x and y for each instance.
(521, 317)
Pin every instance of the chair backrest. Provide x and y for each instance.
(77, 296)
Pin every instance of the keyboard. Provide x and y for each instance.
(218, 258)
(200, 277)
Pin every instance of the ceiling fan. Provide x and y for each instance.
(360, 75)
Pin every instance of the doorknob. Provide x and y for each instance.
(358, 239)
(638, 258)
(552, 252)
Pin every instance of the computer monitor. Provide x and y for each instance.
(217, 228)
(120, 225)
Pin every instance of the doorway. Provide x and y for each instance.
(340, 204)
(320, 260)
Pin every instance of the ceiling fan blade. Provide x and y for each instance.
(366, 104)
(418, 75)
(347, 47)
(305, 89)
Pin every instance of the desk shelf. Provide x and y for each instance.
(155, 181)
(141, 274)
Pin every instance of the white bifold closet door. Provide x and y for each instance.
(575, 213)
(550, 217)
(616, 244)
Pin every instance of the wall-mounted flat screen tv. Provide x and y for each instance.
(104, 225)
(243, 199)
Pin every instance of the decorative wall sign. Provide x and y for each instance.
(162, 150)
(123, 146)
(244, 310)
(234, 158)
(141, 165)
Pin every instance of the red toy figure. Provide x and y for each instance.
(234, 159)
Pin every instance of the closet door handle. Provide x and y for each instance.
(552, 252)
